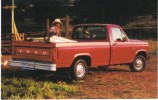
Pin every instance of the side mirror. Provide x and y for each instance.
(124, 39)
(118, 40)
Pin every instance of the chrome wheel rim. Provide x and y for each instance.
(139, 64)
(80, 70)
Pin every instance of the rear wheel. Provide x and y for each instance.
(79, 69)
(139, 64)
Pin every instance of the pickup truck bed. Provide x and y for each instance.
(61, 53)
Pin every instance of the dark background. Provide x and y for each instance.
(138, 16)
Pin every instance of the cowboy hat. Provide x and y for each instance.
(57, 21)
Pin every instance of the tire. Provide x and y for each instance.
(139, 64)
(79, 69)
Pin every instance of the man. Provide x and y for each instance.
(86, 34)
(55, 29)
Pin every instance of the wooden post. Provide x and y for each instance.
(13, 20)
(16, 36)
(48, 27)
(67, 26)
(22, 36)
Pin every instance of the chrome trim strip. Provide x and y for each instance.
(33, 65)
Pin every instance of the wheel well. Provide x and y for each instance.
(87, 59)
(143, 53)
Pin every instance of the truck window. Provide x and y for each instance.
(89, 33)
(117, 34)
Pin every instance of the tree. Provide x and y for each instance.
(112, 11)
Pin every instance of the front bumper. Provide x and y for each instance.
(32, 65)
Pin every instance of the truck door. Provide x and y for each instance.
(120, 49)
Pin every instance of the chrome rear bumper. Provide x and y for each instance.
(32, 65)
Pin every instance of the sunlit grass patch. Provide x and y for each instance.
(20, 88)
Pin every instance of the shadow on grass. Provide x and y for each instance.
(111, 69)
(38, 75)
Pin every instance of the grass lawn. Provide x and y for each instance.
(23, 84)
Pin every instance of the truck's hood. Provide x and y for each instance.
(138, 41)
(132, 40)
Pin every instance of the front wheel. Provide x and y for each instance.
(79, 69)
(139, 64)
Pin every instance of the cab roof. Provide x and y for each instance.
(96, 24)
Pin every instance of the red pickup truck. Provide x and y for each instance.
(91, 45)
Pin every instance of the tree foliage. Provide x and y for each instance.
(85, 11)
(113, 11)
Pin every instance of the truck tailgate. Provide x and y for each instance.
(36, 51)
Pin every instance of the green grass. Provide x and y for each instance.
(15, 87)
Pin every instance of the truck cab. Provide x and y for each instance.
(123, 49)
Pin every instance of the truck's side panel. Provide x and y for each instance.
(138, 47)
(98, 51)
